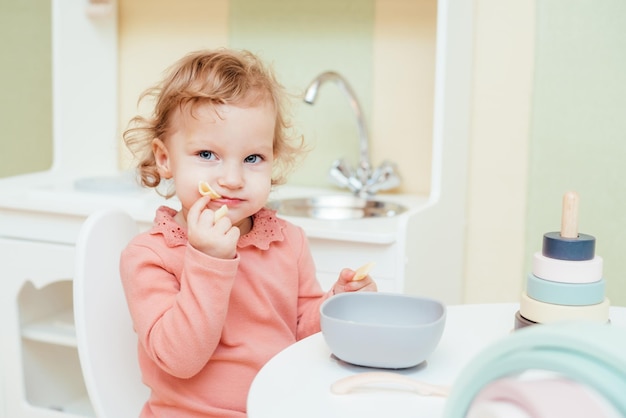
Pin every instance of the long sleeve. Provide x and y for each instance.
(310, 295)
(179, 322)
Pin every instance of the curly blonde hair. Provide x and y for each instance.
(217, 77)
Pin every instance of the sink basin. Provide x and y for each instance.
(336, 207)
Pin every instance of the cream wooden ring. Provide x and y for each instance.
(544, 313)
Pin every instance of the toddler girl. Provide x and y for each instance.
(212, 300)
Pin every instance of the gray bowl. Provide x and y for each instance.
(383, 330)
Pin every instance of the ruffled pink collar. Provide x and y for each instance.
(266, 228)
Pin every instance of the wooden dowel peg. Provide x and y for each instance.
(569, 215)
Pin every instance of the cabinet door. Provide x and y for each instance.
(40, 366)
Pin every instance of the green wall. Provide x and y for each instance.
(578, 133)
(25, 86)
(306, 39)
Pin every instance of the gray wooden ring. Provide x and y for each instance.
(521, 322)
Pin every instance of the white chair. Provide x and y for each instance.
(107, 344)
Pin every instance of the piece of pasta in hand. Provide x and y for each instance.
(362, 271)
(220, 213)
(206, 190)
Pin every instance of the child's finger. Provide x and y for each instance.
(198, 206)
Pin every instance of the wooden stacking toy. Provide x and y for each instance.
(566, 281)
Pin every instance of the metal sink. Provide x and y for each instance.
(336, 207)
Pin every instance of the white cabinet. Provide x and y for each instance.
(40, 370)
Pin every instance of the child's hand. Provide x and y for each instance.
(215, 238)
(345, 283)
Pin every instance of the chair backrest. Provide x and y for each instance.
(107, 344)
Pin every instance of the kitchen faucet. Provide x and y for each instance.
(363, 182)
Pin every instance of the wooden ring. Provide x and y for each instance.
(573, 249)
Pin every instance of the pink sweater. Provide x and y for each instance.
(206, 325)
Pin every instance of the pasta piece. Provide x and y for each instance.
(220, 213)
(206, 190)
(362, 271)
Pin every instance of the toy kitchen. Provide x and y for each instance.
(417, 247)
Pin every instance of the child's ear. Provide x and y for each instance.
(162, 158)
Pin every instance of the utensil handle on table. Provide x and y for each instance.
(345, 385)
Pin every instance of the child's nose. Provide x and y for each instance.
(231, 175)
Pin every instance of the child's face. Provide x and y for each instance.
(231, 150)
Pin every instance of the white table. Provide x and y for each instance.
(296, 382)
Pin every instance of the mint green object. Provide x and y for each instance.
(573, 294)
(26, 85)
(590, 353)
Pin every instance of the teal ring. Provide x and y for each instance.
(560, 293)
(588, 352)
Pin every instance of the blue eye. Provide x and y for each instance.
(207, 155)
(251, 159)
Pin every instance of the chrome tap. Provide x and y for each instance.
(363, 181)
